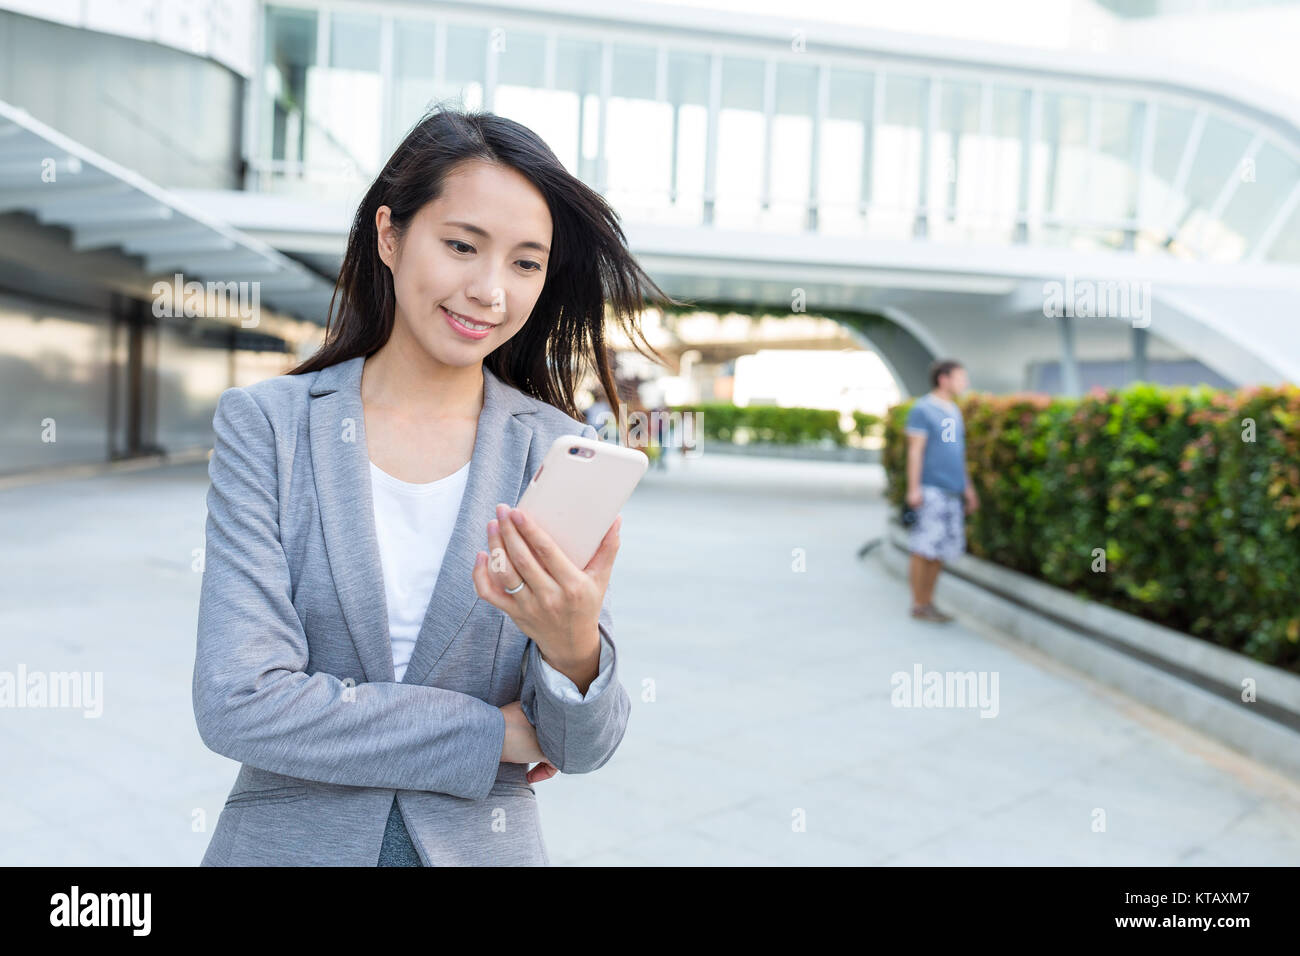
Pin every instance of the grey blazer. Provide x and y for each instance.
(293, 675)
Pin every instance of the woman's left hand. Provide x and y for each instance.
(559, 606)
(542, 771)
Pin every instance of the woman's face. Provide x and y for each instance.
(471, 264)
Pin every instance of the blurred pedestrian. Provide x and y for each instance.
(599, 415)
(938, 484)
(659, 417)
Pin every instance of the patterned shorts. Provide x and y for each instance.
(940, 529)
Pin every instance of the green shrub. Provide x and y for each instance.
(866, 425)
(1005, 453)
(1256, 527)
(769, 423)
(1080, 439)
(894, 454)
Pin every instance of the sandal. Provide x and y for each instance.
(931, 613)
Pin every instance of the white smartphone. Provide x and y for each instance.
(579, 490)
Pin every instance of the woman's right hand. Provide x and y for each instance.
(520, 744)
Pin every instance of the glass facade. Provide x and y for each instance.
(66, 382)
(674, 130)
(55, 385)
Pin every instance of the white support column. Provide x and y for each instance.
(987, 165)
(387, 90)
(1139, 371)
(548, 59)
(711, 138)
(440, 53)
(602, 123)
(256, 110)
(920, 228)
(490, 71)
(1094, 147)
(769, 111)
(1069, 364)
(869, 128)
(1034, 133)
(661, 96)
(323, 27)
(819, 126)
(676, 134)
(1146, 151)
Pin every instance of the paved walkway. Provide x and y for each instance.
(761, 698)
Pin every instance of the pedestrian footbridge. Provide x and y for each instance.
(944, 191)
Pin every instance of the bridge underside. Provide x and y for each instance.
(1175, 328)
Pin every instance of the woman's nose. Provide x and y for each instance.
(487, 293)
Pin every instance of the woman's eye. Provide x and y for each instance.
(530, 266)
(456, 242)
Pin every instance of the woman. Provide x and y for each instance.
(384, 643)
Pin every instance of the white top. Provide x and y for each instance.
(414, 522)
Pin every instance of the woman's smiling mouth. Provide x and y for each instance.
(467, 326)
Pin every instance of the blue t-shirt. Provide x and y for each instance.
(944, 463)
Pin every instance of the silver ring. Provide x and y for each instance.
(516, 589)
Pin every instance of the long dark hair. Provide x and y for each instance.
(590, 265)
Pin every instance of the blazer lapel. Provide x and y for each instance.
(341, 466)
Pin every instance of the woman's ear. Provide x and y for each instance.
(386, 235)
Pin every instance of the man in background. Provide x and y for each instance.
(937, 484)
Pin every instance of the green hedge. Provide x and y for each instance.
(772, 423)
(1200, 526)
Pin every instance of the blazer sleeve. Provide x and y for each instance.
(253, 698)
(577, 736)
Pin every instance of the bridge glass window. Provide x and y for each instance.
(688, 99)
(896, 157)
(522, 94)
(290, 53)
(639, 142)
(1263, 186)
(1060, 168)
(956, 168)
(577, 72)
(466, 73)
(1286, 247)
(740, 144)
(843, 168)
(1218, 158)
(790, 178)
(1173, 128)
(347, 99)
(1113, 177)
(414, 48)
(1006, 194)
